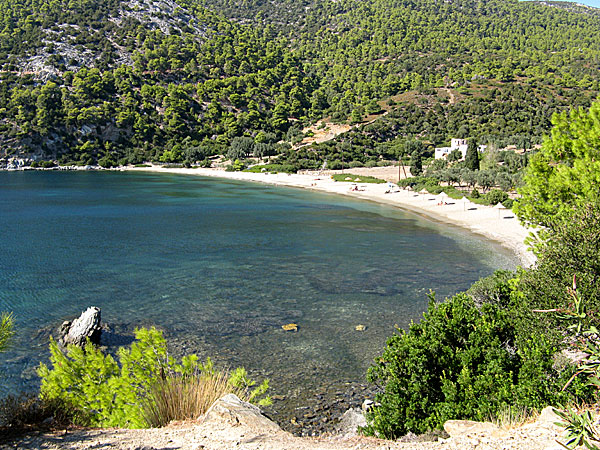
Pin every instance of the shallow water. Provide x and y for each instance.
(220, 265)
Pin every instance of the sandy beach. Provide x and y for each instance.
(499, 225)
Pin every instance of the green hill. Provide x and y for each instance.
(127, 81)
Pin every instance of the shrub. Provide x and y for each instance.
(570, 247)
(493, 289)
(496, 196)
(353, 178)
(236, 166)
(17, 413)
(285, 168)
(103, 392)
(461, 362)
(106, 161)
(6, 330)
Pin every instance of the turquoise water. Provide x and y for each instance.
(220, 266)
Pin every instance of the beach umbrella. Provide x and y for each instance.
(499, 206)
(464, 200)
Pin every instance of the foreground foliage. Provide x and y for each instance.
(502, 343)
(6, 330)
(461, 361)
(568, 248)
(566, 172)
(143, 387)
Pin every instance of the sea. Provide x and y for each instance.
(220, 266)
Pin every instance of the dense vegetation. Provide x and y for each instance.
(6, 330)
(176, 82)
(566, 171)
(501, 344)
(143, 387)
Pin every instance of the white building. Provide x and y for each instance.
(455, 144)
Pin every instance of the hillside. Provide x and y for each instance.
(130, 81)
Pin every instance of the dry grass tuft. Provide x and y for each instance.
(514, 416)
(186, 397)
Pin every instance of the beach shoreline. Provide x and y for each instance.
(499, 225)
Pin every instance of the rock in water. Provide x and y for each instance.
(86, 326)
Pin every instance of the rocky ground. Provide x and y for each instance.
(232, 424)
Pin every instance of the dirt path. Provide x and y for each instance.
(451, 95)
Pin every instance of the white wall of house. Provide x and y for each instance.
(456, 144)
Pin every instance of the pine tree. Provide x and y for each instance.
(472, 156)
(416, 164)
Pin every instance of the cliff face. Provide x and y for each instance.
(231, 423)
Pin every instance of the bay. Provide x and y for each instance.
(220, 266)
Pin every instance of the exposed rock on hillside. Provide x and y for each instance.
(67, 46)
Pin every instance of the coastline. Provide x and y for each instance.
(499, 225)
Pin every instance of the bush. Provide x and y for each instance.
(496, 196)
(99, 391)
(356, 178)
(106, 161)
(178, 397)
(285, 168)
(496, 288)
(236, 166)
(570, 247)
(18, 413)
(461, 362)
(6, 330)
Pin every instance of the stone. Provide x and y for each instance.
(462, 428)
(548, 417)
(350, 421)
(82, 328)
(290, 327)
(233, 412)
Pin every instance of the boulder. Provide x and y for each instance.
(464, 428)
(350, 421)
(233, 412)
(87, 326)
(548, 418)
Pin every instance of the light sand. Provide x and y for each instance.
(500, 225)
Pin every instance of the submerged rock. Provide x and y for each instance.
(87, 325)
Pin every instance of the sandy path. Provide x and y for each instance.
(499, 225)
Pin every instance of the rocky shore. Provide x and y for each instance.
(233, 424)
